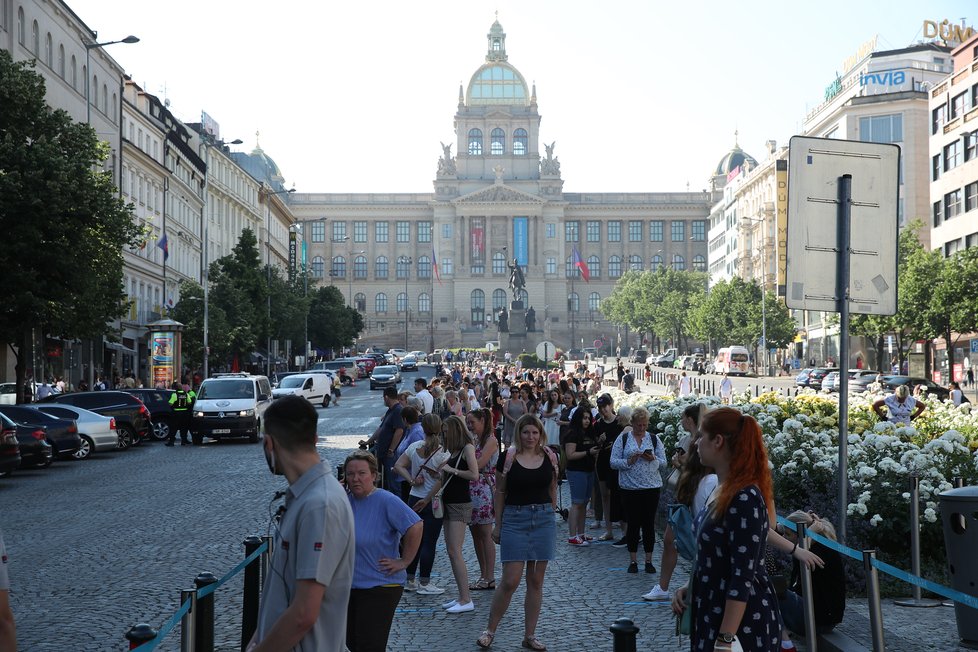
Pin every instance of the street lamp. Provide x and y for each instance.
(88, 70)
(763, 223)
(268, 264)
(406, 262)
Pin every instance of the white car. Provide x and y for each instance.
(8, 393)
(98, 433)
(420, 355)
(398, 353)
(312, 387)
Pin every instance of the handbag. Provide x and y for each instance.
(437, 506)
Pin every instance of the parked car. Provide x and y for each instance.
(575, 354)
(97, 433)
(640, 356)
(692, 362)
(666, 359)
(35, 451)
(420, 355)
(680, 362)
(385, 376)
(831, 382)
(157, 401)
(8, 393)
(61, 433)
(9, 448)
(818, 374)
(314, 387)
(132, 418)
(890, 383)
(409, 363)
(861, 381)
(230, 405)
(801, 380)
(365, 364)
(398, 353)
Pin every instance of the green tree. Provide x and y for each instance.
(953, 309)
(239, 288)
(63, 222)
(332, 324)
(189, 311)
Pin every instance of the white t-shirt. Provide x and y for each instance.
(420, 491)
(956, 396)
(707, 485)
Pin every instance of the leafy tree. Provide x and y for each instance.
(239, 288)
(953, 309)
(190, 312)
(655, 302)
(732, 313)
(332, 324)
(63, 222)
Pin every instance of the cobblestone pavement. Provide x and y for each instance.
(99, 545)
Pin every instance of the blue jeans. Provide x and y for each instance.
(429, 540)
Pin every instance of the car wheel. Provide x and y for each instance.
(253, 437)
(85, 450)
(161, 429)
(127, 437)
(45, 464)
(326, 400)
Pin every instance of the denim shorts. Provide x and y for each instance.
(528, 533)
(581, 486)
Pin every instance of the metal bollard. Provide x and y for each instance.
(875, 606)
(252, 591)
(625, 634)
(204, 620)
(187, 622)
(916, 600)
(957, 482)
(266, 557)
(139, 634)
(811, 642)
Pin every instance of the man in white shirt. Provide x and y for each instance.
(421, 392)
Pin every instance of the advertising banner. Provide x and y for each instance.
(521, 247)
(478, 241)
(781, 222)
(163, 350)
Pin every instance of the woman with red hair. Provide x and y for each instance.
(733, 602)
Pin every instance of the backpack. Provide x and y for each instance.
(681, 520)
(551, 455)
(182, 401)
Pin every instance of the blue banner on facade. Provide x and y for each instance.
(521, 240)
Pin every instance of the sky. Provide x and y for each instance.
(638, 95)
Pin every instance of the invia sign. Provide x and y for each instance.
(883, 78)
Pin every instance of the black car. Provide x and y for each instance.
(385, 376)
(640, 356)
(890, 383)
(817, 374)
(132, 418)
(62, 434)
(9, 448)
(35, 451)
(157, 401)
(409, 363)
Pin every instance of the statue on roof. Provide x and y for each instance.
(550, 165)
(446, 164)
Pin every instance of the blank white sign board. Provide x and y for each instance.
(814, 168)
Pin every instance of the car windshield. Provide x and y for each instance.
(385, 370)
(215, 389)
(738, 357)
(292, 381)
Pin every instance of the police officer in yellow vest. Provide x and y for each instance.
(181, 402)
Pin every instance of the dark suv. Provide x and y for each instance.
(157, 401)
(132, 418)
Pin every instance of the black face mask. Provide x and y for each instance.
(270, 461)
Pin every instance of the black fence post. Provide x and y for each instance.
(204, 620)
(625, 635)
(252, 591)
(139, 634)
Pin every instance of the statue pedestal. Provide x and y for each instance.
(517, 319)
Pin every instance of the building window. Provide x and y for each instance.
(971, 144)
(424, 302)
(424, 267)
(952, 155)
(698, 231)
(678, 229)
(497, 142)
(446, 266)
(551, 231)
(381, 267)
(318, 267)
(594, 302)
(446, 231)
(594, 266)
(551, 265)
(360, 267)
(519, 142)
(614, 267)
(319, 232)
(498, 263)
(656, 263)
(339, 231)
(402, 302)
(475, 142)
(403, 268)
(21, 35)
(380, 302)
(937, 118)
(360, 301)
(952, 204)
(573, 302)
(498, 301)
(403, 231)
(634, 231)
(635, 263)
(699, 263)
(614, 231)
(959, 104)
(35, 39)
(593, 231)
(74, 73)
(971, 196)
(424, 231)
(572, 231)
(570, 269)
(678, 262)
(338, 270)
(360, 231)
(61, 61)
(381, 231)
(935, 173)
(655, 231)
(881, 128)
(48, 51)
(477, 304)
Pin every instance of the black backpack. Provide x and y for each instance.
(182, 401)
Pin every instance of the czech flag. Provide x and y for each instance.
(434, 265)
(581, 265)
(165, 246)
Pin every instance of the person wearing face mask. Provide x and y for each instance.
(306, 594)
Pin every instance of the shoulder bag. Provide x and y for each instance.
(437, 506)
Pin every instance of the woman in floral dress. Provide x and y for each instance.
(479, 423)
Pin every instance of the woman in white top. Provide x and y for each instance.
(956, 395)
(901, 407)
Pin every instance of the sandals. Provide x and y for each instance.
(606, 537)
(533, 643)
(486, 639)
(483, 585)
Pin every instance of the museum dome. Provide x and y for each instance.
(496, 81)
(733, 159)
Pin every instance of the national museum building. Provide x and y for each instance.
(432, 270)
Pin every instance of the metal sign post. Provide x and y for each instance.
(842, 294)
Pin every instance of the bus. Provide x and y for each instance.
(734, 360)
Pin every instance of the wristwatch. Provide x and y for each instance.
(726, 637)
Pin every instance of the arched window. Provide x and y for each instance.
(656, 263)
(105, 99)
(594, 302)
(678, 262)
(498, 263)
(519, 142)
(699, 263)
(477, 303)
(424, 267)
(497, 142)
(74, 73)
(635, 263)
(475, 142)
(35, 39)
(498, 300)
(594, 266)
(93, 91)
(48, 51)
(360, 302)
(424, 302)
(61, 61)
(21, 30)
(403, 268)
(318, 267)
(381, 267)
(614, 267)
(338, 270)
(115, 109)
(380, 302)
(360, 267)
(402, 302)
(573, 302)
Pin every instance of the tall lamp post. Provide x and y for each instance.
(406, 262)
(760, 220)
(301, 228)
(268, 265)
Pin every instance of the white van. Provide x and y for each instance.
(312, 387)
(734, 360)
(230, 405)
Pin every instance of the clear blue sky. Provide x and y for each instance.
(640, 96)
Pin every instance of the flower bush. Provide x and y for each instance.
(802, 437)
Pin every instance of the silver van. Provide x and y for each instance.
(230, 405)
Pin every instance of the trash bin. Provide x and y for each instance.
(959, 513)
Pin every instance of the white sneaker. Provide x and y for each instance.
(657, 594)
(430, 589)
(459, 607)
(597, 525)
(411, 585)
(449, 604)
